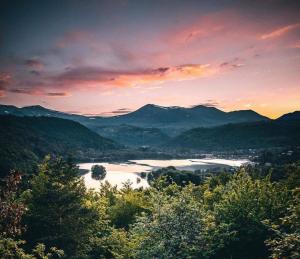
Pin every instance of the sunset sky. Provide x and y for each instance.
(111, 57)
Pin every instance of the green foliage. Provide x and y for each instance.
(227, 215)
(285, 242)
(180, 177)
(243, 204)
(12, 249)
(98, 172)
(177, 227)
(58, 214)
(128, 204)
(11, 213)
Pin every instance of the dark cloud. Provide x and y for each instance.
(208, 103)
(34, 72)
(57, 94)
(117, 112)
(21, 91)
(232, 64)
(36, 92)
(34, 63)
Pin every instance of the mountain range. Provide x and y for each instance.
(150, 124)
(27, 134)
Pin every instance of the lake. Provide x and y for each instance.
(118, 173)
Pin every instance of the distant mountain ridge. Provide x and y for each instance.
(290, 116)
(170, 120)
(38, 111)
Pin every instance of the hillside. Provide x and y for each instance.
(133, 136)
(290, 116)
(24, 139)
(239, 136)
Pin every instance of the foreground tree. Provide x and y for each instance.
(11, 209)
(177, 227)
(58, 214)
(11, 213)
(285, 241)
(244, 204)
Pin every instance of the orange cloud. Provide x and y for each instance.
(82, 77)
(280, 31)
(94, 77)
(161, 75)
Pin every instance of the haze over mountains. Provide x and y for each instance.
(31, 132)
(140, 124)
(153, 125)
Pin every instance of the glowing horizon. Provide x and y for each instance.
(101, 57)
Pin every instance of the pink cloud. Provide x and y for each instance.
(84, 78)
(211, 26)
(93, 76)
(5, 80)
(280, 31)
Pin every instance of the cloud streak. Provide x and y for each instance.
(116, 112)
(128, 78)
(84, 78)
(280, 31)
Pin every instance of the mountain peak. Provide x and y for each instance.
(203, 107)
(35, 107)
(152, 106)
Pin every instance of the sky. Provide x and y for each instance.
(111, 57)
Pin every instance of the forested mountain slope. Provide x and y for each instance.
(240, 136)
(24, 140)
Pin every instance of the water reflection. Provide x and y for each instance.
(118, 173)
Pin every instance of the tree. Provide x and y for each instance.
(11, 209)
(177, 227)
(11, 213)
(58, 214)
(98, 172)
(127, 206)
(285, 242)
(243, 204)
